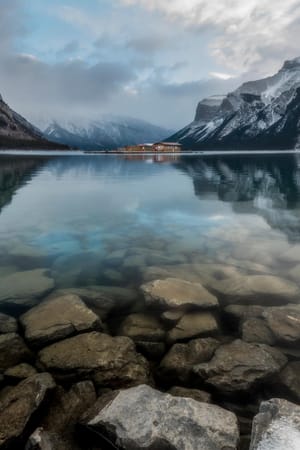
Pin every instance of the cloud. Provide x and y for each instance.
(244, 30)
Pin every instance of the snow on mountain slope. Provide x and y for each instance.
(108, 132)
(259, 114)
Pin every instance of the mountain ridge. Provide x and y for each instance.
(261, 114)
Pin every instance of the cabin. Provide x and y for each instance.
(171, 147)
(139, 148)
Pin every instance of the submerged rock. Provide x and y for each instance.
(178, 294)
(284, 322)
(195, 394)
(13, 350)
(257, 289)
(193, 325)
(18, 406)
(240, 366)
(108, 361)
(178, 363)
(8, 324)
(277, 426)
(289, 380)
(58, 318)
(20, 372)
(24, 288)
(257, 330)
(142, 327)
(143, 418)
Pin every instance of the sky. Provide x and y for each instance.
(149, 59)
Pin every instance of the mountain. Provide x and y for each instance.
(262, 114)
(107, 132)
(16, 132)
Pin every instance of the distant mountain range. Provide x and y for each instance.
(17, 132)
(107, 132)
(262, 114)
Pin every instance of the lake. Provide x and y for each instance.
(221, 233)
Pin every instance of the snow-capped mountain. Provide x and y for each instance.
(261, 114)
(107, 132)
(17, 132)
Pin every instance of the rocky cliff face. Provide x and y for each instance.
(262, 114)
(17, 132)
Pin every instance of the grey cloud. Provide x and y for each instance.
(69, 49)
(148, 44)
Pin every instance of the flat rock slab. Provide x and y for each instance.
(8, 324)
(193, 325)
(178, 294)
(13, 351)
(24, 288)
(20, 372)
(142, 327)
(257, 289)
(58, 318)
(276, 426)
(240, 366)
(109, 361)
(143, 418)
(17, 407)
(284, 322)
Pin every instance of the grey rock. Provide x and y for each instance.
(8, 324)
(142, 417)
(24, 288)
(58, 318)
(177, 365)
(240, 366)
(13, 351)
(18, 405)
(284, 322)
(142, 327)
(108, 361)
(193, 325)
(257, 330)
(20, 372)
(178, 294)
(196, 394)
(276, 426)
(289, 380)
(171, 317)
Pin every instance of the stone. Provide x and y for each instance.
(151, 350)
(13, 351)
(178, 363)
(276, 426)
(238, 313)
(193, 325)
(196, 394)
(108, 361)
(25, 288)
(257, 330)
(289, 380)
(41, 439)
(142, 327)
(240, 366)
(178, 294)
(256, 289)
(20, 372)
(284, 322)
(58, 318)
(18, 406)
(8, 324)
(171, 317)
(144, 418)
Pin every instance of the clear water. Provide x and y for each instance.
(108, 220)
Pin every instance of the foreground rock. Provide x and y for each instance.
(142, 327)
(13, 351)
(257, 289)
(58, 318)
(143, 418)
(284, 322)
(20, 372)
(108, 361)
(177, 365)
(289, 380)
(193, 325)
(19, 405)
(178, 294)
(239, 366)
(277, 426)
(24, 288)
(8, 324)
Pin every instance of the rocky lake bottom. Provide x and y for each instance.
(150, 304)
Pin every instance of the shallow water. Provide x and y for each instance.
(105, 220)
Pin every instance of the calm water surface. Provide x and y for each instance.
(109, 220)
